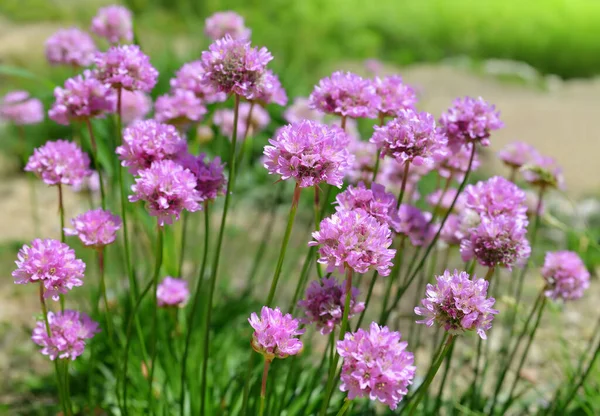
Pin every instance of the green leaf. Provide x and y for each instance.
(13, 71)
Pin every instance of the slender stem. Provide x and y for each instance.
(438, 401)
(397, 267)
(513, 174)
(184, 227)
(573, 392)
(153, 342)
(66, 387)
(95, 159)
(109, 322)
(303, 278)
(345, 407)
(403, 186)
(263, 388)
(369, 294)
(245, 143)
(343, 123)
(61, 212)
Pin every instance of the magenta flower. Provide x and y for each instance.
(300, 110)
(18, 108)
(180, 108)
(375, 201)
(229, 23)
(415, 224)
(517, 154)
(458, 304)
(259, 120)
(148, 141)
(451, 233)
(82, 98)
(269, 90)
(59, 162)
(95, 228)
(51, 263)
(190, 78)
(365, 156)
(324, 304)
(545, 172)
(135, 105)
(113, 23)
(347, 95)
(395, 95)
(496, 196)
(126, 67)
(447, 196)
(72, 47)
(167, 188)
(456, 163)
(69, 331)
(565, 274)
(376, 364)
(210, 180)
(172, 292)
(354, 239)
(309, 152)
(275, 334)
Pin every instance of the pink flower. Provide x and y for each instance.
(565, 274)
(190, 78)
(415, 224)
(451, 233)
(229, 23)
(269, 90)
(126, 67)
(59, 162)
(72, 47)
(210, 180)
(496, 196)
(375, 201)
(96, 228)
(456, 163)
(544, 171)
(517, 154)
(275, 334)
(114, 23)
(135, 105)
(172, 292)
(179, 109)
(395, 95)
(259, 120)
(300, 110)
(365, 157)
(17, 107)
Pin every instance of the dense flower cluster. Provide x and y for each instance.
(269, 90)
(395, 95)
(544, 171)
(210, 180)
(190, 78)
(59, 162)
(126, 67)
(226, 23)
(375, 201)
(566, 275)
(365, 155)
(496, 196)
(415, 224)
(179, 108)
(21, 109)
(517, 154)
(258, 120)
(95, 228)
(172, 292)
(458, 304)
(275, 334)
(135, 105)
(72, 47)
(376, 365)
(300, 110)
(114, 24)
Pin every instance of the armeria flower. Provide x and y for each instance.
(232, 66)
(114, 23)
(59, 162)
(451, 233)
(365, 157)
(565, 274)
(135, 105)
(300, 110)
(95, 228)
(89, 184)
(497, 242)
(180, 108)
(324, 304)
(167, 188)
(172, 292)
(82, 98)
(456, 163)
(354, 239)
(496, 196)
(345, 94)
(259, 120)
(415, 224)
(275, 334)
(19, 108)
(376, 365)
(545, 172)
(69, 332)
(148, 141)
(229, 23)
(412, 137)
(309, 152)
(126, 67)
(375, 201)
(210, 180)
(395, 95)
(51, 263)
(517, 154)
(458, 304)
(269, 90)
(72, 47)
(190, 78)
(442, 199)
(470, 120)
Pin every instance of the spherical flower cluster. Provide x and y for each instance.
(496, 196)
(69, 331)
(324, 304)
(259, 120)
(345, 94)
(52, 263)
(210, 180)
(376, 364)
(190, 77)
(275, 334)
(148, 141)
(470, 120)
(300, 110)
(114, 23)
(456, 163)
(412, 137)
(126, 67)
(82, 98)
(135, 105)
(458, 304)
(95, 228)
(543, 171)
(72, 47)
(517, 154)
(232, 66)
(356, 240)
(415, 224)
(442, 199)
(269, 90)
(20, 109)
(59, 162)
(365, 157)
(395, 95)
(179, 108)
(226, 23)
(565, 274)
(375, 201)
(172, 292)
(167, 188)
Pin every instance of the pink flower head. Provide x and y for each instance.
(172, 292)
(415, 224)
(496, 196)
(412, 137)
(95, 228)
(210, 180)
(126, 67)
(190, 77)
(458, 304)
(167, 188)
(354, 239)
(180, 108)
(470, 120)
(135, 105)
(72, 47)
(365, 157)
(229, 23)
(375, 201)
(18, 108)
(232, 66)
(269, 90)
(259, 120)
(517, 154)
(395, 95)
(543, 171)
(456, 163)
(82, 98)
(565, 274)
(345, 94)
(309, 152)
(324, 304)
(275, 334)
(147, 141)
(52, 263)
(113, 23)
(300, 110)
(89, 184)
(69, 331)
(59, 162)
(376, 364)
(443, 199)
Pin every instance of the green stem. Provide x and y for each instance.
(394, 275)
(317, 210)
(184, 226)
(367, 300)
(61, 213)
(403, 186)
(109, 322)
(263, 389)
(153, 341)
(344, 408)
(438, 401)
(96, 161)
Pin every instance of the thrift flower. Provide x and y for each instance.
(190, 78)
(135, 105)
(566, 276)
(20, 109)
(275, 334)
(300, 110)
(113, 23)
(395, 95)
(543, 171)
(72, 47)
(365, 157)
(96, 228)
(172, 292)
(415, 224)
(496, 196)
(517, 154)
(126, 67)
(375, 201)
(210, 180)
(269, 90)
(180, 108)
(229, 23)
(59, 162)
